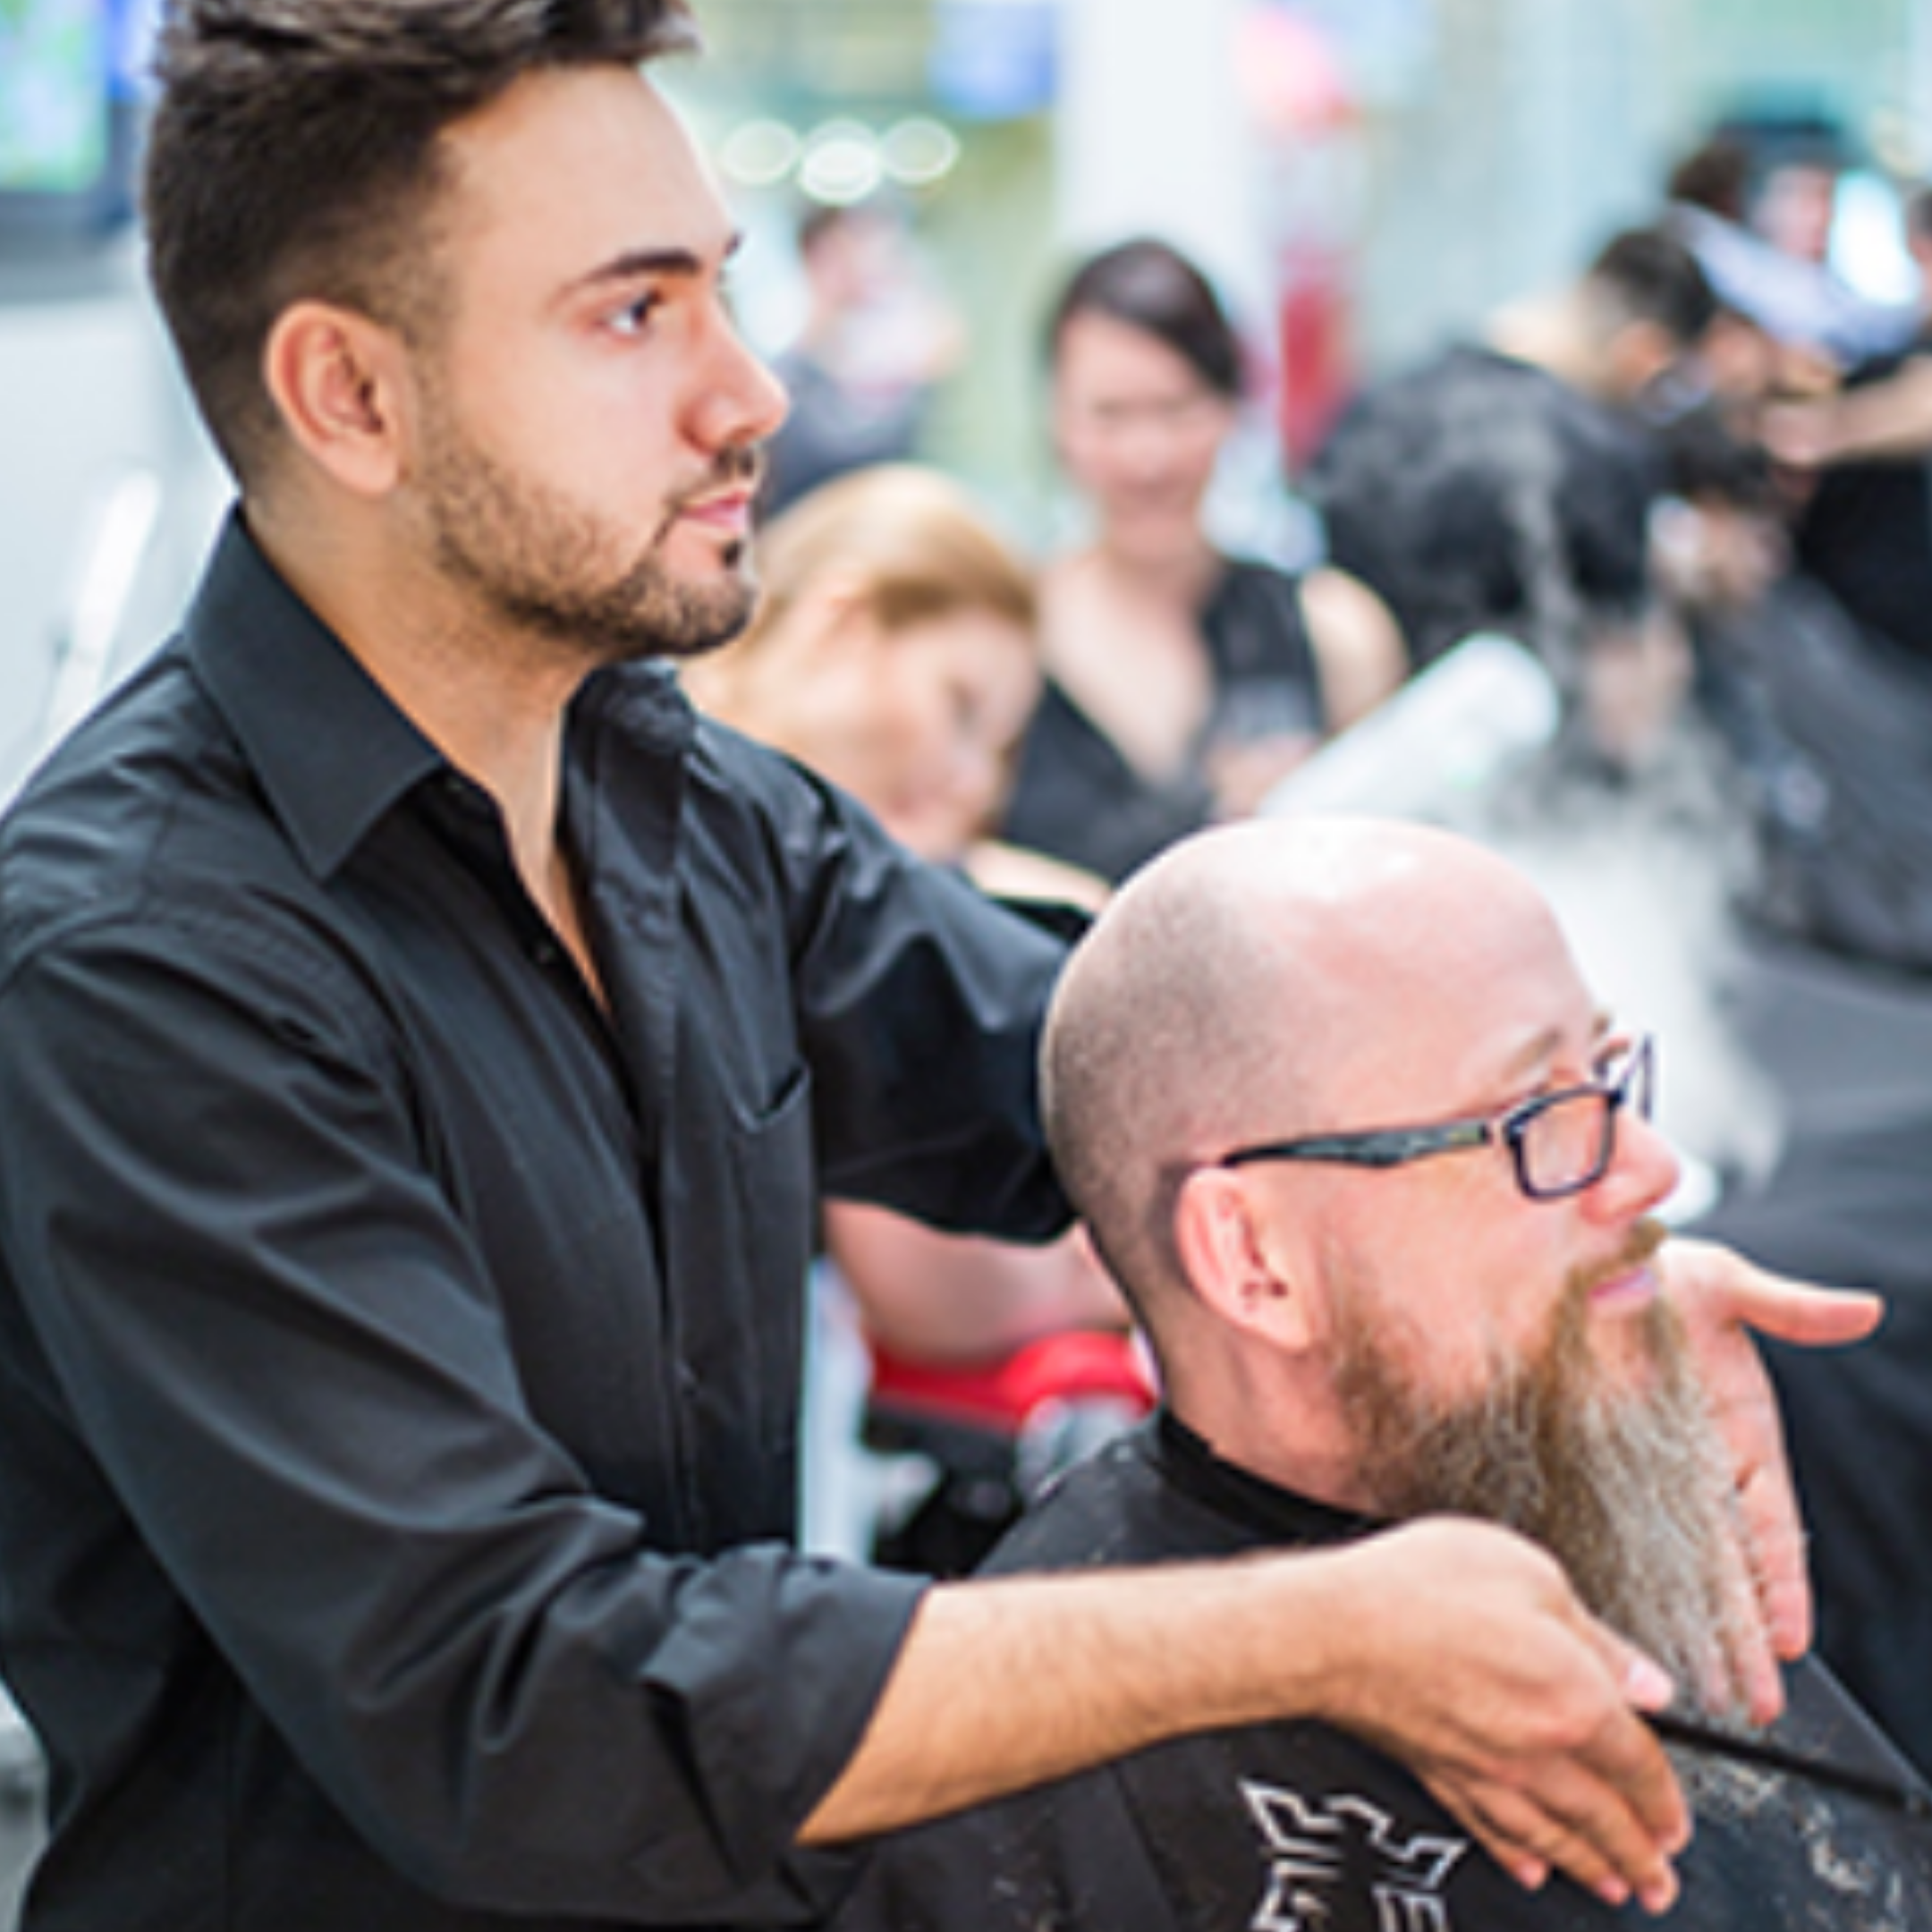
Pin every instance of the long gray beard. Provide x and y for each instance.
(1623, 1482)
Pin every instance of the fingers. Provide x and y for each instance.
(1566, 1825)
(1610, 1814)
(1749, 1667)
(1713, 1284)
(1718, 1293)
(1625, 1750)
(1743, 1669)
(1776, 1606)
(1775, 1545)
(1778, 1539)
(1744, 1409)
(1519, 1710)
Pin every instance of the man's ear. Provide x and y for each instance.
(1241, 1268)
(337, 378)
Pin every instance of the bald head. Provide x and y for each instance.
(1247, 986)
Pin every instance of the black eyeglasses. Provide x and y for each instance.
(1561, 1142)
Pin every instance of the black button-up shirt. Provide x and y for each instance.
(399, 1350)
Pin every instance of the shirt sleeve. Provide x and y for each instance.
(273, 1337)
(920, 1003)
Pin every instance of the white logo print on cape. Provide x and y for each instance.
(1316, 1850)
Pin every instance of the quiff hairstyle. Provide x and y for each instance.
(294, 156)
(1646, 275)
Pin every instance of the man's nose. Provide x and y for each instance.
(1643, 1171)
(743, 400)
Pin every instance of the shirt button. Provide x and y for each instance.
(546, 953)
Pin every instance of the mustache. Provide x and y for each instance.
(743, 463)
(1643, 1242)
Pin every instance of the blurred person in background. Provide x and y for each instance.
(1864, 455)
(1760, 221)
(879, 336)
(895, 652)
(1502, 486)
(1827, 720)
(1628, 332)
(1180, 683)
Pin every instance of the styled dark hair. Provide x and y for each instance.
(1477, 492)
(1652, 276)
(1705, 458)
(1715, 177)
(1152, 286)
(294, 154)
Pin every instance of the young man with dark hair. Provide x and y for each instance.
(421, 1042)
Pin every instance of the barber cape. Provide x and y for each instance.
(1298, 1827)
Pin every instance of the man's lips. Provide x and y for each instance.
(727, 511)
(1632, 1277)
(1625, 1287)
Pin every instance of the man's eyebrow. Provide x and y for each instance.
(670, 259)
(1544, 1046)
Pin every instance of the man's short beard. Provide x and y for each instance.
(541, 562)
(1619, 1475)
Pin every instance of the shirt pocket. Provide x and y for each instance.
(773, 1191)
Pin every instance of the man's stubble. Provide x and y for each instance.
(544, 565)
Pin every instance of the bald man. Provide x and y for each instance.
(1378, 1176)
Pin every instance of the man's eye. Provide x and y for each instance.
(634, 316)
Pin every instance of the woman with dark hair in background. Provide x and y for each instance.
(1182, 682)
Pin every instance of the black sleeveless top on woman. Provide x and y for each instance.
(1077, 798)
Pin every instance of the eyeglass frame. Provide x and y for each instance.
(1633, 1082)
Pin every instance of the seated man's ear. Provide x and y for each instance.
(1251, 1272)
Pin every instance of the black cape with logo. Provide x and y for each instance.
(1297, 1828)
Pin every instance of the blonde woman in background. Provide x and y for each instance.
(894, 652)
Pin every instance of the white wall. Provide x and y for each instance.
(1153, 136)
(87, 393)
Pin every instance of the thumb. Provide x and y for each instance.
(1646, 1684)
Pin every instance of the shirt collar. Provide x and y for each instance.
(1253, 1501)
(330, 750)
(325, 743)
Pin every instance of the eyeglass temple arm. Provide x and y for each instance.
(1391, 1146)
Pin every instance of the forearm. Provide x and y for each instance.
(1879, 422)
(1005, 1683)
